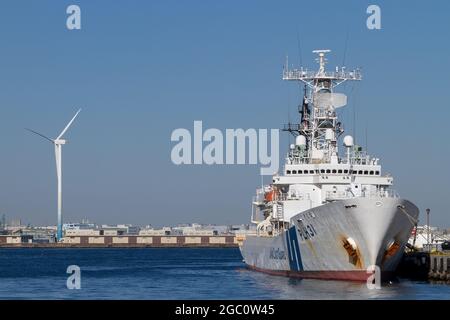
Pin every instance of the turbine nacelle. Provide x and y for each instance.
(59, 141)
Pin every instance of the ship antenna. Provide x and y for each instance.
(299, 48)
(367, 143)
(354, 114)
(299, 53)
(345, 48)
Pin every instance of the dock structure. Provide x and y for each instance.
(126, 241)
(439, 266)
(424, 265)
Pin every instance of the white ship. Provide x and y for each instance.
(327, 216)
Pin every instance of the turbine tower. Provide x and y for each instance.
(58, 143)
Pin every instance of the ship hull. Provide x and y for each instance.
(358, 275)
(341, 240)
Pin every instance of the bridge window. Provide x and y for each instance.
(360, 172)
(328, 171)
(288, 172)
(345, 171)
(322, 170)
(339, 171)
(371, 173)
(366, 172)
(311, 171)
(334, 171)
(294, 171)
(377, 173)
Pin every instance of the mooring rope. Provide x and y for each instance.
(411, 219)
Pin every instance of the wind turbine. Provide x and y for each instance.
(58, 143)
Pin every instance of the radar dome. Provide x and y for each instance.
(348, 141)
(300, 140)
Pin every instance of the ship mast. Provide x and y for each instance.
(319, 126)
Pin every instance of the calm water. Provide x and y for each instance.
(173, 274)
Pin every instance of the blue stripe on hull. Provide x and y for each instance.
(295, 259)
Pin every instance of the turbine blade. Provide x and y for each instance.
(40, 134)
(68, 125)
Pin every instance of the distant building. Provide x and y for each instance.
(204, 229)
(16, 239)
(81, 232)
(424, 234)
(113, 230)
(166, 231)
(3, 222)
(87, 228)
(15, 223)
(129, 229)
(79, 226)
(240, 227)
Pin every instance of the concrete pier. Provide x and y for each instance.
(439, 266)
(422, 265)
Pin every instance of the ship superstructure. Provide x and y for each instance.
(327, 215)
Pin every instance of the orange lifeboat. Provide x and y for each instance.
(269, 196)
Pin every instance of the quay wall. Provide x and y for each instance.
(439, 266)
(129, 241)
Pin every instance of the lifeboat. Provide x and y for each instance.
(269, 196)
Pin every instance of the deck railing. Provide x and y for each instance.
(341, 195)
(337, 75)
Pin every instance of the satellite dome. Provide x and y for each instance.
(300, 140)
(348, 141)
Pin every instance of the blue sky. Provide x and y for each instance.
(140, 69)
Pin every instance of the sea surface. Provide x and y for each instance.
(174, 273)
